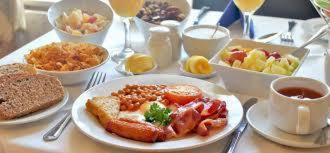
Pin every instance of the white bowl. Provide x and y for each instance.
(184, 7)
(251, 82)
(204, 47)
(92, 6)
(78, 76)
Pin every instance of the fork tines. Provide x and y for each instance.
(97, 78)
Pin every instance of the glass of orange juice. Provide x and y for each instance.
(248, 7)
(126, 9)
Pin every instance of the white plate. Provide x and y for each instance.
(198, 76)
(39, 114)
(311, 26)
(258, 119)
(89, 125)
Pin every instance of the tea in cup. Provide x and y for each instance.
(298, 105)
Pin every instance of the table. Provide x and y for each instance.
(28, 138)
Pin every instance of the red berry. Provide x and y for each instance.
(266, 52)
(276, 55)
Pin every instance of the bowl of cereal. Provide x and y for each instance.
(81, 20)
(154, 12)
(71, 62)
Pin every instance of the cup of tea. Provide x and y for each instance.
(298, 105)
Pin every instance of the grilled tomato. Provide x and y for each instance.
(182, 94)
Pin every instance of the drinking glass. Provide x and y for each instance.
(323, 8)
(126, 9)
(248, 7)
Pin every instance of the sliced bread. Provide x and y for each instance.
(17, 68)
(104, 108)
(23, 94)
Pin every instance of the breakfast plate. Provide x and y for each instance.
(90, 126)
(257, 117)
(39, 114)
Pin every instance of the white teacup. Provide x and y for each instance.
(298, 116)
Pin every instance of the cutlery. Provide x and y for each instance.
(268, 37)
(201, 14)
(55, 132)
(234, 138)
(287, 36)
(322, 32)
(323, 137)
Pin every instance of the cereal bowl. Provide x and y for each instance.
(182, 5)
(56, 10)
(74, 76)
(250, 82)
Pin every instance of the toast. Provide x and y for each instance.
(104, 108)
(17, 68)
(23, 94)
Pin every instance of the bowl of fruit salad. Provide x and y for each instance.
(81, 20)
(248, 67)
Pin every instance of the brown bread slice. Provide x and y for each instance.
(22, 94)
(104, 108)
(16, 68)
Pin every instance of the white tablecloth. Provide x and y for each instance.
(28, 138)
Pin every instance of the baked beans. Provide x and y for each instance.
(133, 96)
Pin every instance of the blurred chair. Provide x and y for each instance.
(297, 9)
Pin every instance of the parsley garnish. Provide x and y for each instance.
(156, 114)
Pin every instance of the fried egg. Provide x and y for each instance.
(139, 114)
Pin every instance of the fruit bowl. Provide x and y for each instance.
(250, 82)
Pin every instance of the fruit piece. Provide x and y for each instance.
(276, 55)
(293, 60)
(238, 55)
(257, 54)
(225, 55)
(284, 63)
(248, 61)
(199, 65)
(270, 61)
(260, 65)
(275, 69)
(265, 52)
(237, 64)
(267, 70)
(182, 94)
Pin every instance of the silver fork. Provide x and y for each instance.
(287, 36)
(55, 132)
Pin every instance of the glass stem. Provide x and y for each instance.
(127, 44)
(247, 25)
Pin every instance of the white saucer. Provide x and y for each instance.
(198, 76)
(258, 118)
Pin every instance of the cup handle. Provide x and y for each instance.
(303, 124)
